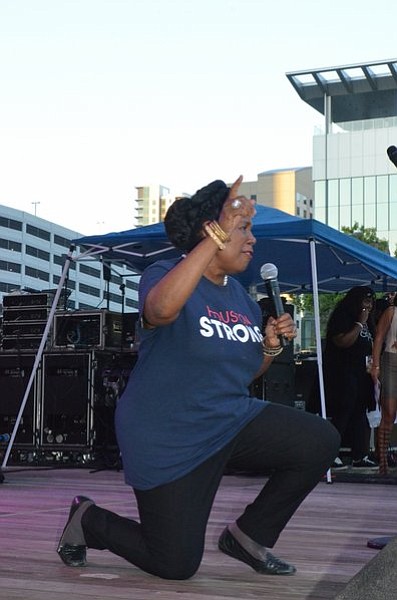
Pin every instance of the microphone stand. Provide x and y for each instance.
(122, 290)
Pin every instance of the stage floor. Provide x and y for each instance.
(326, 540)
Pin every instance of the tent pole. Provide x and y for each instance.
(39, 354)
(316, 305)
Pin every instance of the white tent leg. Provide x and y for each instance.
(39, 354)
(318, 335)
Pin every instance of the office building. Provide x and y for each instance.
(33, 253)
(290, 190)
(151, 204)
(354, 180)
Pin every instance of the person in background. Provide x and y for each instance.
(186, 414)
(384, 369)
(349, 389)
(390, 297)
(380, 306)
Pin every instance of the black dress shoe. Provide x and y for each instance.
(70, 548)
(270, 566)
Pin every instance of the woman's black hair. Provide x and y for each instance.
(351, 304)
(356, 295)
(185, 217)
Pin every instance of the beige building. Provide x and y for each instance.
(151, 204)
(289, 190)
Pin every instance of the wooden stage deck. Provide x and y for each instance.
(326, 540)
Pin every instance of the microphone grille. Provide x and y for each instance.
(269, 271)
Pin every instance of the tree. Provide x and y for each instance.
(367, 235)
(327, 302)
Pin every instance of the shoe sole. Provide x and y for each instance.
(63, 548)
(239, 553)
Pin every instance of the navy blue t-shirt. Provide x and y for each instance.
(187, 396)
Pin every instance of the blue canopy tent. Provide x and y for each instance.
(311, 257)
(341, 261)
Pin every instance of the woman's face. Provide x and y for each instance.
(367, 303)
(238, 253)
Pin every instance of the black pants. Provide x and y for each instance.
(297, 448)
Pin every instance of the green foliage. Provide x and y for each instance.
(327, 302)
(367, 235)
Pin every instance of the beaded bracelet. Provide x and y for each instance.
(267, 351)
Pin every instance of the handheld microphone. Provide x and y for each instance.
(392, 154)
(269, 274)
(4, 437)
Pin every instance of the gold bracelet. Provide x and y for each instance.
(217, 229)
(213, 235)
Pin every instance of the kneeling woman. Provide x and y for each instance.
(187, 415)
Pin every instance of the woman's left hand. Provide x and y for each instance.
(236, 208)
(282, 326)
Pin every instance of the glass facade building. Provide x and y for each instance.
(354, 180)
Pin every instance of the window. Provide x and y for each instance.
(60, 260)
(89, 289)
(90, 271)
(37, 253)
(132, 285)
(369, 202)
(37, 232)
(10, 245)
(11, 223)
(115, 298)
(61, 241)
(83, 306)
(392, 209)
(37, 274)
(382, 203)
(358, 200)
(70, 283)
(131, 303)
(7, 287)
(11, 267)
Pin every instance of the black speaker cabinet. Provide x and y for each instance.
(277, 384)
(27, 300)
(307, 383)
(66, 407)
(280, 383)
(111, 372)
(15, 372)
(88, 330)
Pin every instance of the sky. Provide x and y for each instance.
(98, 97)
